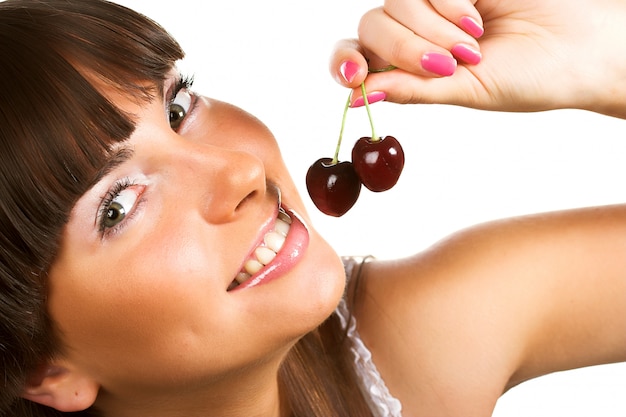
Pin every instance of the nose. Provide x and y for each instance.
(219, 180)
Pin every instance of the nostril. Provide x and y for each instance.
(245, 199)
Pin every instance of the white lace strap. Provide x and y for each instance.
(380, 401)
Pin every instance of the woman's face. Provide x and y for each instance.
(143, 290)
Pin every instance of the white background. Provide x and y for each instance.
(462, 166)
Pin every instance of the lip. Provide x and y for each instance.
(289, 255)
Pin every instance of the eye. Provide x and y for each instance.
(179, 107)
(118, 205)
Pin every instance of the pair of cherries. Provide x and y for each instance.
(376, 163)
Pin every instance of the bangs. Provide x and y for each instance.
(57, 128)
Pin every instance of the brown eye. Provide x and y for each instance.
(177, 115)
(114, 215)
(178, 109)
(119, 207)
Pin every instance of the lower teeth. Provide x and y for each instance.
(242, 277)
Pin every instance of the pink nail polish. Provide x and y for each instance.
(372, 97)
(439, 64)
(466, 54)
(471, 26)
(348, 70)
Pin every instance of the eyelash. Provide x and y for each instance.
(183, 82)
(108, 199)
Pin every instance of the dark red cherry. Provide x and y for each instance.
(333, 187)
(378, 162)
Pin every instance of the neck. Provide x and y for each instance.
(253, 392)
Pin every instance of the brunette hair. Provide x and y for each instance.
(56, 131)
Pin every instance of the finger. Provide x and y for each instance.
(462, 13)
(421, 17)
(348, 64)
(399, 86)
(427, 23)
(401, 47)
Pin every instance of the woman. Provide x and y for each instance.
(157, 259)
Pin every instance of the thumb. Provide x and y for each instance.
(348, 65)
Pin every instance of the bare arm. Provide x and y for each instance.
(497, 304)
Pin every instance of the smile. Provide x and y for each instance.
(280, 249)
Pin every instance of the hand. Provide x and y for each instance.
(535, 54)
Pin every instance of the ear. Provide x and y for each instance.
(62, 388)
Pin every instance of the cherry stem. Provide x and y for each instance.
(343, 124)
(375, 138)
(369, 114)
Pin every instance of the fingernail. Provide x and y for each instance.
(466, 53)
(439, 64)
(372, 98)
(471, 26)
(348, 70)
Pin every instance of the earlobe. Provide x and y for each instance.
(61, 388)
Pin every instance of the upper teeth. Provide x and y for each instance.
(266, 252)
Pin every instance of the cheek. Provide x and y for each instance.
(154, 308)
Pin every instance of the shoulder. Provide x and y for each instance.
(450, 327)
(432, 333)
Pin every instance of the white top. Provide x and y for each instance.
(379, 400)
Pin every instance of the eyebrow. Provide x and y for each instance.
(117, 157)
